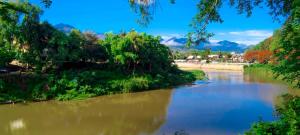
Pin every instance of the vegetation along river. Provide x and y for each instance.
(228, 103)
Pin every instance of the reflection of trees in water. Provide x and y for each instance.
(264, 78)
(222, 77)
(268, 78)
(137, 113)
(260, 77)
(248, 85)
(227, 76)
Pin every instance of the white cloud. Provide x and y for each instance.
(246, 37)
(221, 33)
(247, 42)
(252, 33)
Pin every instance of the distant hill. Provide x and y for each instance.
(66, 28)
(227, 46)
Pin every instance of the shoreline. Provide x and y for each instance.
(125, 84)
(239, 67)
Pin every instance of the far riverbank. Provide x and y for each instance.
(212, 66)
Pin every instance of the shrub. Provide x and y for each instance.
(6, 56)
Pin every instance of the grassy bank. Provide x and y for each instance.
(264, 72)
(72, 84)
(261, 73)
(199, 74)
(259, 69)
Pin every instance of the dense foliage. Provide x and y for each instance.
(288, 52)
(138, 52)
(76, 65)
(80, 84)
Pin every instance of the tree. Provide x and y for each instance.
(250, 56)
(261, 56)
(47, 47)
(90, 38)
(206, 53)
(288, 52)
(137, 52)
(12, 17)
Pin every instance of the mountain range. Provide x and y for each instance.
(225, 45)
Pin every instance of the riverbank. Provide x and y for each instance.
(75, 85)
(266, 71)
(212, 66)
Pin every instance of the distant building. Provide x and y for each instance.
(215, 56)
(179, 61)
(190, 57)
(203, 61)
(237, 58)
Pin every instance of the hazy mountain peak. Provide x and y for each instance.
(66, 28)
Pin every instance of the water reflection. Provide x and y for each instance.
(17, 124)
(132, 114)
(226, 104)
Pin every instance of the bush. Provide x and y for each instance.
(78, 85)
(199, 74)
(6, 56)
(130, 84)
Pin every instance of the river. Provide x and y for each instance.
(228, 103)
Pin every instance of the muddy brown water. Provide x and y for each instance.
(228, 103)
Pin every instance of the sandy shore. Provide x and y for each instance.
(212, 66)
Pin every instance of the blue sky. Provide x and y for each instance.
(169, 19)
